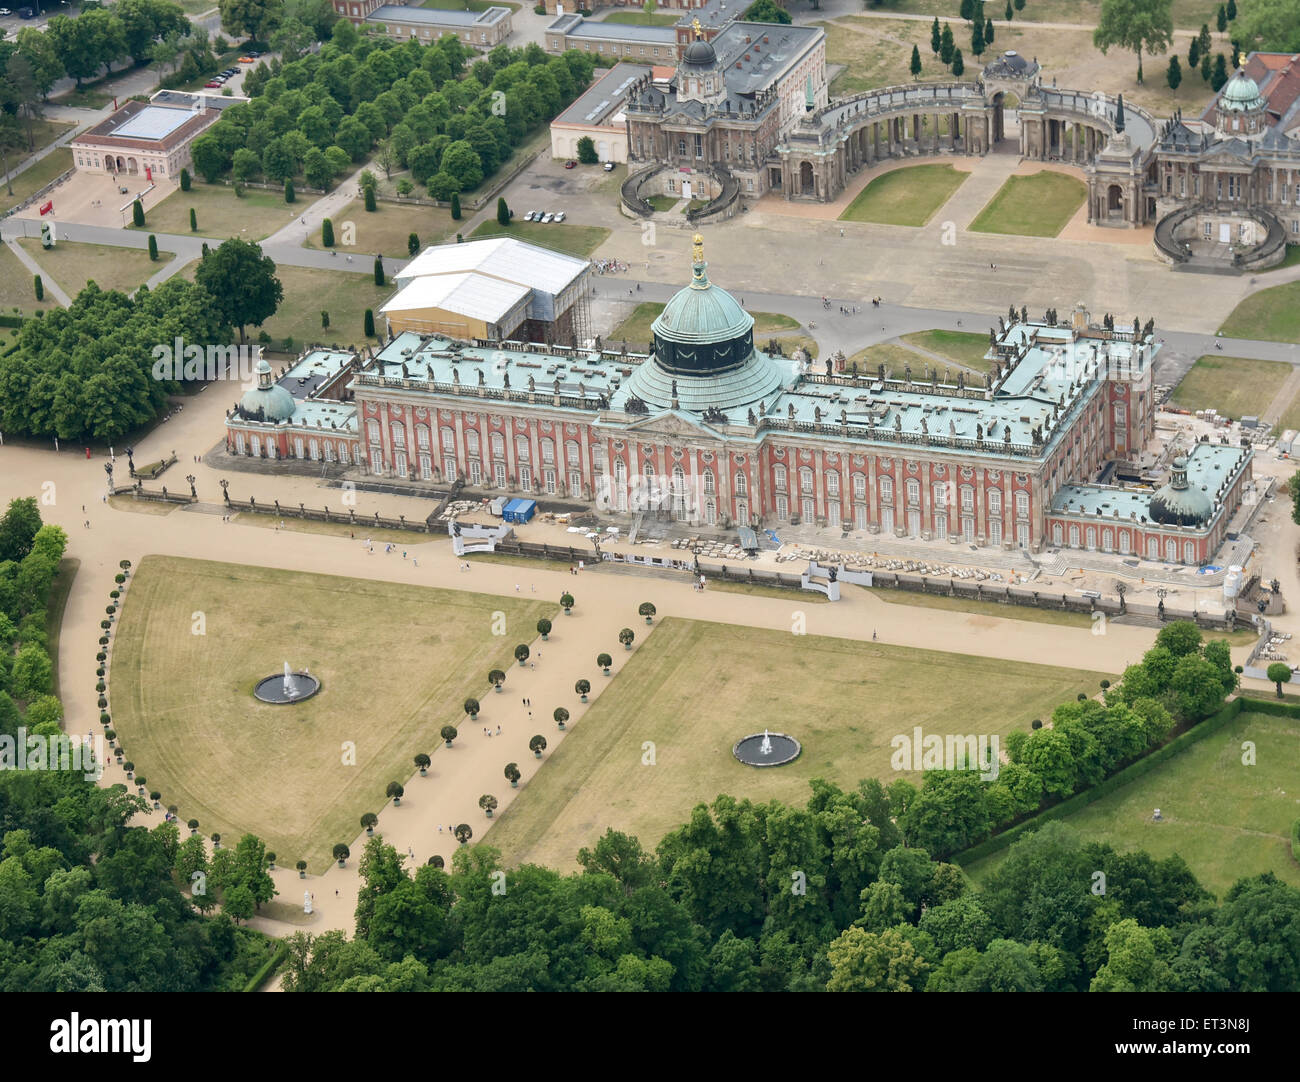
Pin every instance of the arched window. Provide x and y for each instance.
(548, 450)
(860, 486)
(1022, 505)
(913, 491)
(833, 485)
(522, 451)
(742, 484)
(448, 438)
(471, 441)
(422, 436)
(709, 487)
(886, 488)
(805, 479)
(1074, 537)
(372, 431)
(1189, 552)
(573, 453)
(995, 501)
(778, 477)
(1057, 534)
(498, 445)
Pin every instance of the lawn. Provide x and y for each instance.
(44, 132)
(34, 178)
(1235, 386)
(17, 290)
(86, 98)
(636, 328)
(907, 196)
(309, 291)
(388, 229)
(1290, 417)
(578, 240)
(961, 347)
(360, 531)
(663, 203)
(640, 18)
(73, 264)
(253, 216)
(1225, 819)
(1271, 314)
(891, 355)
(395, 662)
(1038, 205)
(1292, 258)
(695, 688)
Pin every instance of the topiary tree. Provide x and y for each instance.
(185, 180)
(561, 716)
(327, 233)
(915, 65)
(156, 797)
(544, 628)
(1280, 673)
(412, 244)
(647, 610)
(513, 775)
(324, 319)
(379, 270)
(289, 194)
(488, 803)
(471, 708)
(194, 221)
(395, 791)
(537, 745)
(448, 733)
(958, 64)
(604, 661)
(521, 654)
(496, 678)
(582, 687)
(341, 854)
(270, 861)
(193, 824)
(626, 636)
(129, 767)
(503, 212)
(153, 248)
(369, 199)
(567, 601)
(216, 840)
(302, 869)
(137, 214)
(39, 286)
(455, 206)
(368, 821)
(368, 323)
(463, 833)
(422, 761)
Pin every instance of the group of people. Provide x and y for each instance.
(609, 266)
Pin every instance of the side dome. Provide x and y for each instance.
(268, 400)
(703, 330)
(700, 54)
(1178, 503)
(1241, 95)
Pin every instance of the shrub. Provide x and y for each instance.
(40, 288)
(412, 244)
(370, 199)
(289, 194)
(137, 214)
(194, 221)
(369, 323)
(153, 248)
(455, 206)
(185, 180)
(327, 233)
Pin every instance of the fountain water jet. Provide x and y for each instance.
(286, 687)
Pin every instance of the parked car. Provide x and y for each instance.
(212, 84)
(609, 167)
(547, 217)
(245, 59)
(254, 53)
(529, 216)
(570, 164)
(5, 11)
(560, 217)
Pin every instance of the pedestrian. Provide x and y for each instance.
(410, 852)
(403, 554)
(83, 508)
(873, 634)
(498, 730)
(439, 828)
(415, 561)
(516, 587)
(533, 588)
(531, 664)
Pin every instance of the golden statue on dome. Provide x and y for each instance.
(698, 242)
(699, 30)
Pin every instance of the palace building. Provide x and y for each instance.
(712, 431)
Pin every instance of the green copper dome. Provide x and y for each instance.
(702, 330)
(268, 401)
(1241, 95)
(1180, 504)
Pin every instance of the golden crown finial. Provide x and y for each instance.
(699, 30)
(698, 242)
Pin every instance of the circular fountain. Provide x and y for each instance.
(286, 687)
(767, 749)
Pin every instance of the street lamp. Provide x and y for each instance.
(193, 493)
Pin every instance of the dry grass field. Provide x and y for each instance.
(695, 688)
(396, 663)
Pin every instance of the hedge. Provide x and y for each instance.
(11, 321)
(1295, 841)
(268, 967)
(1120, 778)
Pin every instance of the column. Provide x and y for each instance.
(873, 510)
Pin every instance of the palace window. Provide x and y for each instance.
(699, 146)
(994, 499)
(887, 488)
(778, 478)
(859, 486)
(709, 487)
(681, 147)
(471, 442)
(742, 484)
(967, 498)
(422, 435)
(573, 453)
(548, 451)
(498, 445)
(522, 450)
(372, 431)
(448, 440)
(805, 480)
(913, 492)
(1022, 505)
(940, 495)
(833, 485)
